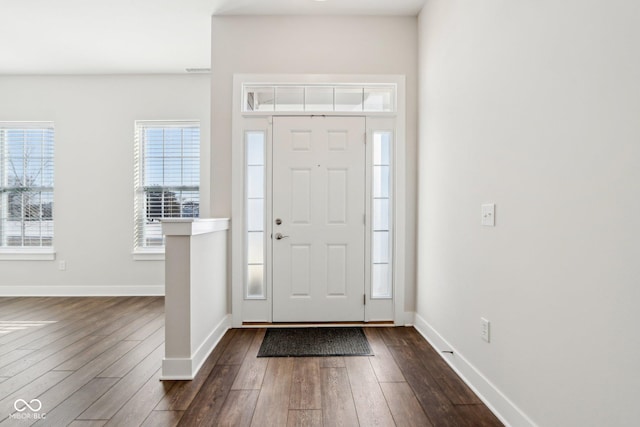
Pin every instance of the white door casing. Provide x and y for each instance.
(245, 309)
(318, 193)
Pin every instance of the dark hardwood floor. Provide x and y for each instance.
(96, 362)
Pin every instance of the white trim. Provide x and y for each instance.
(308, 79)
(503, 408)
(370, 311)
(399, 203)
(187, 368)
(151, 255)
(27, 254)
(81, 291)
(175, 369)
(207, 346)
(29, 124)
(251, 114)
(237, 206)
(320, 325)
(193, 226)
(169, 123)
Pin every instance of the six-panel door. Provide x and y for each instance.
(318, 238)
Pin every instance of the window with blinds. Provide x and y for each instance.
(26, 184)
(167, 176)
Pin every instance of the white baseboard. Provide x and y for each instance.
(495, 400)
(173, 369)
(205, 349)
(80, 291)
(187, 368)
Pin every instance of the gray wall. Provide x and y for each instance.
(311, 45)
(535, 106)
(94, 147)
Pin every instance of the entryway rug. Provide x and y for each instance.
(307, 342)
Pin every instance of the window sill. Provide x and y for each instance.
(148, 255)
(27, 254)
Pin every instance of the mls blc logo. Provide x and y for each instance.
(21, 405)
(34, 405)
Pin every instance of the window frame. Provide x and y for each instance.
(155, 253)
(28, 253)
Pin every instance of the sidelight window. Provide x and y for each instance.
(381, 250)
(255, 218)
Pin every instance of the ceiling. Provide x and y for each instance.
(140, 36)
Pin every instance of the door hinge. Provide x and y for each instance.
(364, 299)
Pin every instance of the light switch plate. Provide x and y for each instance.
(488, 215)
(484, 329)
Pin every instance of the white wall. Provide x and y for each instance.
(311, 45)
(94, 146)
(534, 106)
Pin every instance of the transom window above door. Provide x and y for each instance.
(346, 98)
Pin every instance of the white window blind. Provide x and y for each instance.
(167, 177)
(26, 184)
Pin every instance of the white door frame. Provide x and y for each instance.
(262, 121)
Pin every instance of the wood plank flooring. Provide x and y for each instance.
(96, 362)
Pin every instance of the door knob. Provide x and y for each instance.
(279, 236)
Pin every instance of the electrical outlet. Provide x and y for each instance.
(484, 329)
(62, 265)
(488, 212)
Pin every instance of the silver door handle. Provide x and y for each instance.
(279, 236)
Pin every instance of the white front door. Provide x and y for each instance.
(318, 193)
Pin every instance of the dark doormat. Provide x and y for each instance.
(304, 342)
